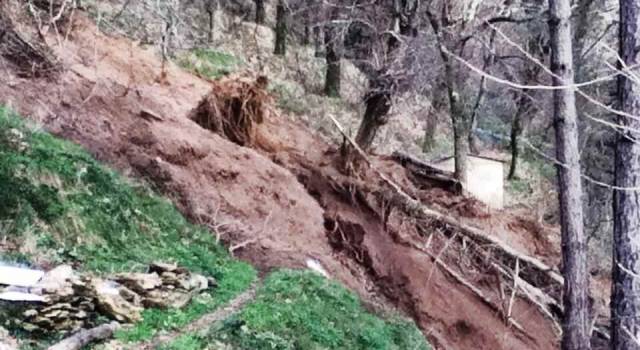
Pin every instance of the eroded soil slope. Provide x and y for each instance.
(281, 205)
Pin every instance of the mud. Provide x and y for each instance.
(280, 204)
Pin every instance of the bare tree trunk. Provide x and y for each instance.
(460, 121)
(378, 104)
(429, 133)
(461, 129)
(210, 32)
(383, 84)
(625, 296)
(318, 41)
(261, 13)
(575, 334)
(281, 28)
(487, 61)
(581, 33)
(306, 37)
(516, 131)
(524, 101)
(309, 19)
(332, 77)
(211, 12)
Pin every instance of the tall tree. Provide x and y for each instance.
(625, 296)
(487, 61)
(530, 71)
(448, 41)
(282, 14)
(331, 39)
(317, 41)
(575, 334)
(524, 106)
(383, 81)
(210, 7)
(261, 13)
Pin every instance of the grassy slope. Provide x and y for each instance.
(302, 310)
(58, 205)
(74, 210)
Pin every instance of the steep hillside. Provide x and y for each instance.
(59, 206)
(284, 202)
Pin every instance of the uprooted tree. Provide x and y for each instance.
(234, 108)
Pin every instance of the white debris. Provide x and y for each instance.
(21, 296)
(315, 265)
(18, 276)
(108, 288)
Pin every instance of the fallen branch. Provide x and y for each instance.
(537, 271)
(513, 289)
(475, 290)
(241, 245)
(422, 170)
(87, 336)
(418, 209)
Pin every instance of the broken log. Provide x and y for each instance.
(426, 172)
(534, 274)
(415, 207)
(87, 336)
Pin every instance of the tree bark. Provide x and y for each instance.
(461, 131)
(261, 13)
(525, 106)
(575, 326)
(332, 76)
(429, 133)
(383, 85)
(625, 295)
(318, 41)
(516, 132)
(378, 104)
(460, 121)
(281, 28)
(487, 61)
(211, 11)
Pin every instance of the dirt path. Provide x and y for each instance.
(205, 321)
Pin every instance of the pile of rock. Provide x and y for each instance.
(64, 301)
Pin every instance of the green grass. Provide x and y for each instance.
(302, 310)
(77, 211)
(210, 63)
(186, 342)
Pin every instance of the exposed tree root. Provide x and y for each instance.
(32, 57)
(539, 283)
(233, 108)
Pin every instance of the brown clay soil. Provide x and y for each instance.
(284, 201)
